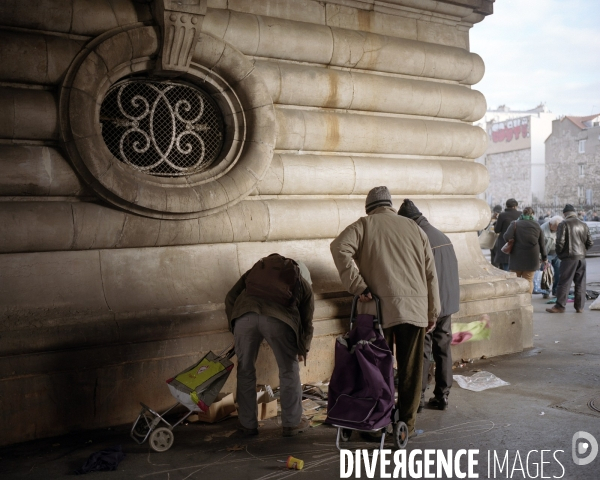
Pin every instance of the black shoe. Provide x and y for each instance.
(441, 403)
(421, 403)
(301, 427)
(244, 431)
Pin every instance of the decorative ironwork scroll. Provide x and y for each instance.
(161, 128)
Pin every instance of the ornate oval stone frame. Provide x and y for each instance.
(222, 71)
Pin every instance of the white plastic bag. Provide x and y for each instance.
(595, 304)
(479, 381)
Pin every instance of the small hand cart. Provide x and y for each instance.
(361, 390)
(196, 388)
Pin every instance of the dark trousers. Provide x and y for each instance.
(409, 341)
(571, 270)
(437, 343)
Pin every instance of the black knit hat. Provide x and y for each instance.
(511, 202)
(568, 208)
(497, 209)
(378, 197)
(409, 209)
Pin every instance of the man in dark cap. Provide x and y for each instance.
(573, 239)
(438, 341)
(390, 256)
(496, 211)
(509, 215)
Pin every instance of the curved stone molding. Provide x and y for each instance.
(50, 56)
(292, 174)
(305, 42)
(229, 78)
(322, 131)
(65, 16)
(167, 278)
(36, 170)
(55, 226)
(80, 17)
(293, 84)
(28, 114)
(39, 171)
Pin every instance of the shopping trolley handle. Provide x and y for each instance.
(377, 320)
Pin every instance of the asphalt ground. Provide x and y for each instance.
(522, 430)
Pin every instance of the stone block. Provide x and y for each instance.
(145, 279)
(305, 219)
(289, 40)
(35, 226)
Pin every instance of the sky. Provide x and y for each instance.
(541, 51)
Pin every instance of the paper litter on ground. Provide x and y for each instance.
(479, 381)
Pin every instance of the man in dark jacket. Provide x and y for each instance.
(504, 220)
(573, 239)
(288, 330)
(438, 341)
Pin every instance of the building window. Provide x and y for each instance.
(162, 128)
(581, 146)
(581, 170)
(580, 191)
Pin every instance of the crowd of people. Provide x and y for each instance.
(559, 243)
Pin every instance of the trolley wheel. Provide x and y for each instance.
(161, 439)
(142, 426)
(345, 434)
(400, 435)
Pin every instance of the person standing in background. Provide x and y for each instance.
(573, 239)
(509, 215)
(524, 259)
(549, 228)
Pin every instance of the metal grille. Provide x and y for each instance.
(161, 128)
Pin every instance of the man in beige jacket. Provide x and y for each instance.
(390, 256)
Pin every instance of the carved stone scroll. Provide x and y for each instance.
(180, 22)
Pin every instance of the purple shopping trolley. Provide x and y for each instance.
(361, 390)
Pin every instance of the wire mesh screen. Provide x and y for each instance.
(161, 127)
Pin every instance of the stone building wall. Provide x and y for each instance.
(563, 160)
(114, 280)
(510, 176)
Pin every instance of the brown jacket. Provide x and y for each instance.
(299, 317)
(395, 261)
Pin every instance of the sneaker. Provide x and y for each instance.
(247, 431)
(291, 431)
(441, 403)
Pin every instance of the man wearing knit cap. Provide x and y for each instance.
(573, 239)
(438, 341)
(390, 256)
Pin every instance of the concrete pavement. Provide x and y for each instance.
(545, 404)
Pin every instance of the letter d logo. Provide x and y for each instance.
(583, 447)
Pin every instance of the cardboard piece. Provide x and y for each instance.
(267, 404)
(222, 407)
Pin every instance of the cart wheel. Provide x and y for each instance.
(161, 439)
(345, 434)
(142, 426)
(400, 435)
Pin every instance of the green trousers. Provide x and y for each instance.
(409, 341)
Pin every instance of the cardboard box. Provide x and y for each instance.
(267, 404)
(222, 407)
